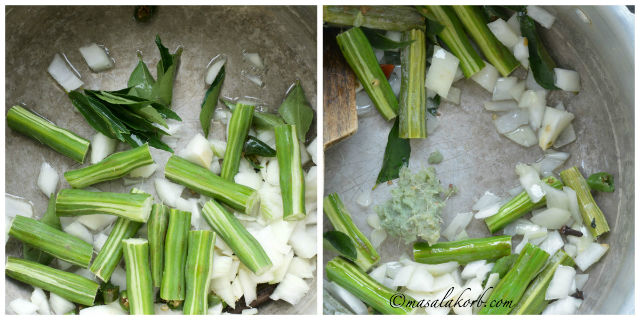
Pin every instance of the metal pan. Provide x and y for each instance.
(285, 37)
(600, 46)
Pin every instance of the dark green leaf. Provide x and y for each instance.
(517, 8)
(49, 218)
(141, 82)
(98, 116)
(540, 61)
(166, 58)
(601, 181)
(396, 156)
(139, 106)
(162, 90)
(342, 243)
(165, 111)
(433, 28)
(210, 101)
(137, 138)
(380, 41)
(295, 110)
(253, 146)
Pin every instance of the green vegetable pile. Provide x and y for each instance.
(414, 210)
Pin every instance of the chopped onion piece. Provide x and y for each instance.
(459, 75)
(514, 23)
(253, 78)
(552, 218)
(250, 312)
(99, 241)
(348, 299)
(17, 206)
(567, 80)
(488, 211)
(457, 225)
(552, 243)
(59, 304)
(101, 147)
(421, 280)
(270, 172)
(144, 171)
(532, 84)
(551, 161)
(79, 231)
(541, 16)
(48, 179)
(364, 198)
(520, 246)
(442, 282)
(502, 88)
(312, 149)
(96, 57)
(523, 136)
(213, 310)
(591, 255)
(302, 268)
(560, 283)
(374, 221)
(23, 306)
(254, 58)
(96, 222)
(214, 68)
(453, 96)
(511, 120)
(113, 308)
(472, 269)
(522, 227)
(403, 276)
(553, 123)
(292, 289)
(379, 273)
(442, 268)
(555, 198)
(570, 250)
(167, 191)
(517, 90)
(303, 241)
(250, 179)
(574, 208)
(530, 181)
(215, 165)
(567, 136)
(488, 199)
(198, 151)
(486, 77)
(567, 305)
(503, 32)
(442, 71)
(39, 298)
(502, 105)
(62, 73)
(377, 237)
(521, 52)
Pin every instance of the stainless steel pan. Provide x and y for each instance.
(476, 158)
(285, 37)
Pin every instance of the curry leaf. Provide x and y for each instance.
(141, 82)
(381, 42)
(253, 146)
(210, 101)
(295, 110)
(341, 243)
(540, 61)
(396, 156)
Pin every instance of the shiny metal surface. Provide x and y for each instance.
(477, 158)
(285, 38)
